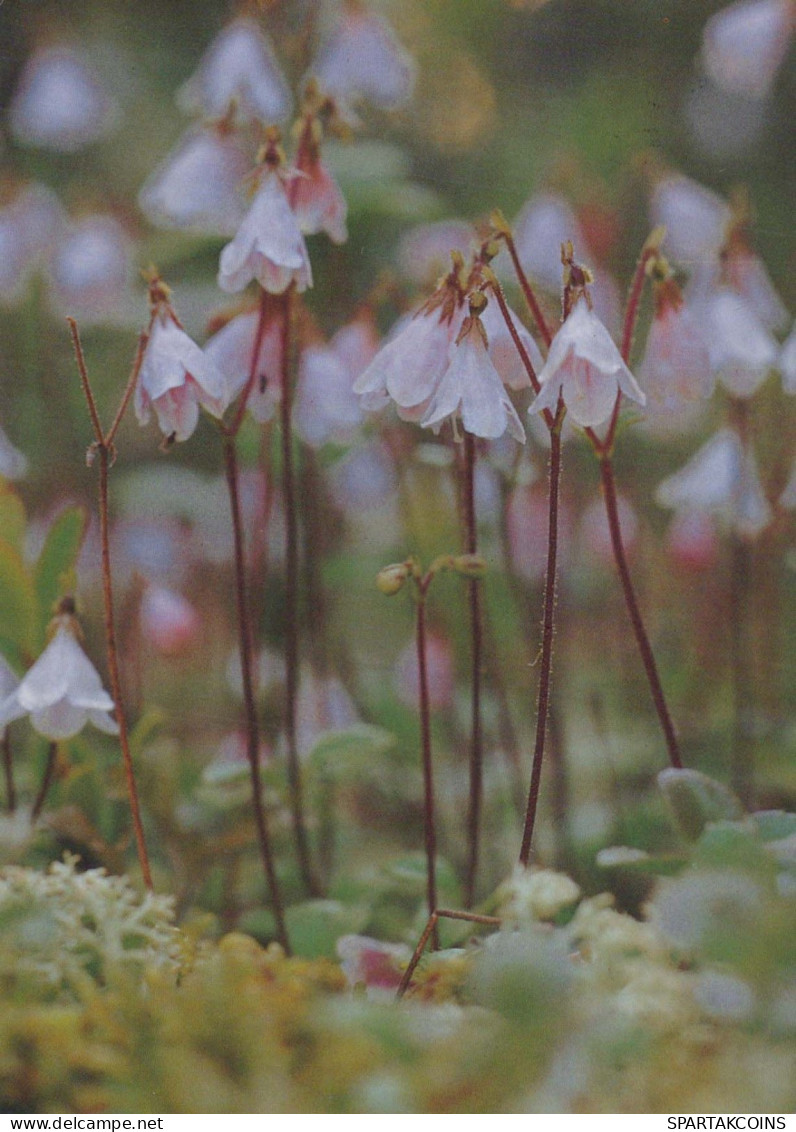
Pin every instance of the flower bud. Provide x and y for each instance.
(391, 578)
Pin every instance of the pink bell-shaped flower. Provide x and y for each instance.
(721, 478)
(176, 376)
(745, 43)
(268, 245)
(197, 187)
(502, 350)
(13, 464)
(586, 368)
(317, 201)
(90, 271)
(695, 219)
(676, 367)
(692, 541)
(168, 621)
(544, 223)
(240, 68)
(742, 352)
(59, 104)
(471, 389)
(363, 60)
(61, 692)
(424, 252)
(369, 963)
(231, 349)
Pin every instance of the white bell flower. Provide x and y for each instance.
(586, 368)
(59, 104)
(744, 44)
(61, 692)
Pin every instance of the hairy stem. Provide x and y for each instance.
(642, 640)
(548, 621)
(252, 725)
(476, 637)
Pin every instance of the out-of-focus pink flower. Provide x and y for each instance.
(356, 344)
(471, 389)
(368, 962)
(722, 479)
(424, 252)
(59, 104)
(502, 350)
(586, 368)
(746, 273)
(240, 68)
(527, 522)
(692, 540)
(176, 377)
(364, 482)
(198, 185)
(323, 705)
(787, 362)
(317, 201)
(90, 271)
(61, 692)
(326, 408)
(440, 674)
(742, 352)
(695, 219)
(231, 350)
(168, 621)
(29, 225)
(362, 59)
(13, 464)
(546, 222)
(595, 532)
(268, 245)
(745, 43)
(676, 366)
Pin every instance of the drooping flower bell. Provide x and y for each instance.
(745, 43)
(471, 388)
(238, 67)
(326, 407)
(231, 349)
(90, 271)
(695, 219)
(176, 376)
(742, 351)
(268, 245)
(63, 690)
(585, 367)
(59, 104)
(675, 369)
(316, 198)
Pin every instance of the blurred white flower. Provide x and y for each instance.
(268, 245)
(326, 408)
(61, 692)
(240, 68)
(502, 350)
(721, 478)
(440, 674)
(13, 463)
(676, 366)
(8, 685)
(544, 223)
(168, 621)
(29, 224)
(59, 104)
(787, 362)
(197, 186)
(90, 271)
(746, 273)
(231, 349)
(745, 43)
(176, 377)
(424, 252)
(362, 59)
(742, 352)
(586, 368)
(695, 219)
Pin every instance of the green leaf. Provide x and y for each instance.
(17, 600)
(54, 572)
(13, 522)
(315, 926)
(349, 753)
(697, 800)
(775, 825)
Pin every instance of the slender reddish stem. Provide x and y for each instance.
(430, 928)
(476, 637)
(103, 446)
(252, 725)
(8, 773)
(527, 290)
(642, 640)
(429, 825)
(548, 622)
(291, 606)
(46, 782)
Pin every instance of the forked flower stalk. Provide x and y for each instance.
(103, 449)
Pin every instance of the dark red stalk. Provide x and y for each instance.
(46, 782)
(548, 619)
(476, 636)
(429, 825)
(647, 657)
(103, 447)
(431, 928)
(530, 298)
(8, 773)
